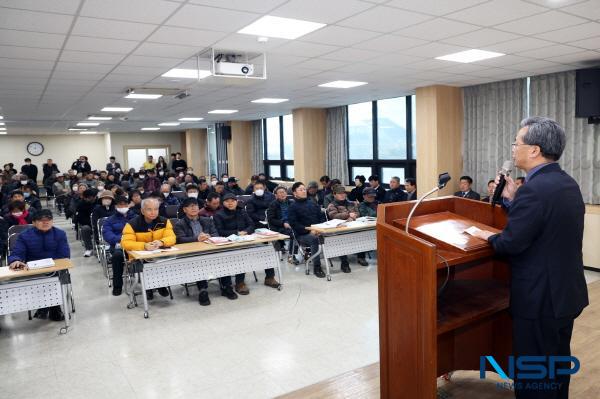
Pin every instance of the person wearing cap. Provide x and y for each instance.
(329, 198)
(356, 194)
(233, 220)
(312, 193)
(112, 231)
(211, 206)
(367, 208)
(149, 231)
(193, 228)
(345, 210)
(42, 241)
(83, 220)
(104, 209)
(303, 213)
(232, 186)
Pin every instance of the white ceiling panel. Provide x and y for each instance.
(327, 12)
(258, 6)
(588, 9)
(518, 45)
(11, 37)
(321, 64)
(387, 43)
(79, 75)
(496, 12)
(143, 61)
(504, 62)
(96, 27)
(540, 23)
(241, 42)
(303, 49)
(29, 53)
(91, 57)
(555, 3)
(7, 73)
(533, 65)
(550, 51)
(339, 36)
(35, 21)
(26, 64)
(56, 6)
(146, 11)
(573, 33)
(583, 58)
(481, 38)
(76, 67)
(82, 43)
(186, 36)
(436, 29)
(432, 50)
(590, 44)
(211, 18)
(166, 50)
(434, 7)
(351, 55)
(384, 19)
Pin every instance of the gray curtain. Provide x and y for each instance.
(257, 147)
(492, 115)
(336, 149)
(553, 96)
(222, 165)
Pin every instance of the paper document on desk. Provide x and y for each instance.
(219, 241)
(154, 251)
(40, 264)
(358, 223)
(472, 230)
(236, 238)
(266, 233)
(330, 224)
(367, 219)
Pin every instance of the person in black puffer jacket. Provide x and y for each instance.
(277, 215)
(258, 204)
(83, 220)
(233, 220)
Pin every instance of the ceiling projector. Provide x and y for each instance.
(234, 68)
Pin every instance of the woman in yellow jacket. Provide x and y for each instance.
(148, 232)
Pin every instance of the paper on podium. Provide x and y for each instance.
(472, 230)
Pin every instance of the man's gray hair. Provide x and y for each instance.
(148, 200)
(546, 134)
(395, 178)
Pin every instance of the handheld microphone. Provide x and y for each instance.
(505, 171)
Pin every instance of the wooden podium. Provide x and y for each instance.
(422, 335)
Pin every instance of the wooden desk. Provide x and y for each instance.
(25, 290)
(344, 240)
(201, 261)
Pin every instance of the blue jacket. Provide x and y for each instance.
(543, 242)
(303, 213)
(113, 227)
(33, 244)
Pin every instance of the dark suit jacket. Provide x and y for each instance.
(470, 195)
(543, 241)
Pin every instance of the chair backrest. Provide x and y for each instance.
(42, 192)
(179, 194)
(172, 211)
(325, 212)
(18, 228)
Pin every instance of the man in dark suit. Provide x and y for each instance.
(113, 166)
(465, 189)
(30, 170)
(410, 185)
(543, 242)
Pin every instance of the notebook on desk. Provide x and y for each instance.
(40, 264)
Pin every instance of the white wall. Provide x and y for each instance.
(63, 149)
(118, 142)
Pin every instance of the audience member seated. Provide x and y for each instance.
(356, 194)
(83, 220)
(277, 216)
(193, 228)
(3, 237)
(168, 197)
(257, 205)
(151, 183)
(395, 193)
(191, 191)
(104, 209)
(374, 182)
(491, 186)
(326, 184)
(31, 198)
(342, 209)
(220, 189)
(250, 187)
(40, 242)
(74, 199)
(232, 186)
(312, 193)
(211, 206)
(136, 202)
(303, 213)
(60, 189)
(268, 183)
(203, 190)
(148, 232)
(17, 214)
(233, 220)
(328, 198)
(369, 206)
(410, 185)
(112, 231)
(465, 189)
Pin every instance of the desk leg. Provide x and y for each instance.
(143, 280)
(66, 311)
(327, 262)
(279, 270)
(315, 256)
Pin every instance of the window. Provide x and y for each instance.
(135, 156)
(381, 139)
(212, 150)
(278, 135)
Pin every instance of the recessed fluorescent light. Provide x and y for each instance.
(1, 123)
(187, 73)
(99, 118)
(140, 96)
(150, 128)
(88, 132)
(74, 129)
(267, 100)
(116, 109)
(343, 84)
(88, 124)
(223, 111)
(190, 119)
(2, 128)
(470, 56)
(1, 117)
(169, 124)
(3, 133)
(284, 28)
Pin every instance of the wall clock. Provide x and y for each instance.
(35, 148)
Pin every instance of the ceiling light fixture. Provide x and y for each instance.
(223, 111)
(342, 84)
(470, 56)
(150, 128)
(1, 123)
(88, 123)
(99, 118)
(268, 100)
(283, 28)
(91, 132)
(186, 73)
(136, 96)
(190, 119)
(169, 124)
(74, 129)
(116, 109)
(1, 117)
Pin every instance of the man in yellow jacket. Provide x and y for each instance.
(148, 232)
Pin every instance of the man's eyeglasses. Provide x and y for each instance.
(515, 144)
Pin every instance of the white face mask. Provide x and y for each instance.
(100, 188)
(181, 175)
(74, 187)
(17, 214)
(142, 176)
(23, 182)
(161, 173)
(214, 182)
(106, 202)
(123, 211)
(165, 195)
(259, 192)
(192, 195)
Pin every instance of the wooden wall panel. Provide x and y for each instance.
(309, 143)
(238, 151)
(196, 142)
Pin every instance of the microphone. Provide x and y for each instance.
(443, 179)
(505, 171)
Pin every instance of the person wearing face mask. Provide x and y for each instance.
(17, 214)
(29, 169)
(277, 215)
(232, 187)
(258, 204)
(191, 191)
(161, 165)
(104, 209)
(83, 219)
(167, 194)
(112, 231)
(268, 183)
(31, 198)
(250, 187)
(178, 164)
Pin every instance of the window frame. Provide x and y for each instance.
(282, 162)
(409, 164)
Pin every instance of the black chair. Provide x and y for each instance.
(171, 211)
